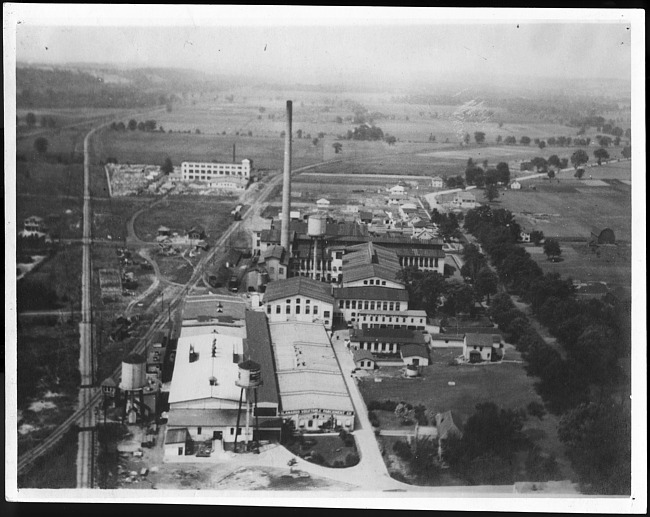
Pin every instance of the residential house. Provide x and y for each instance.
(322, 203)
(163, 231)
(397, 189)
(196, 233)
(276, 262)
(524, 235)
(33, 224)
(300, 299)
(437, 182)
(481, 347)
(177, 442)
(363, 359)
(448, 424)
(414, 354)
(464, 200)
(515, 185)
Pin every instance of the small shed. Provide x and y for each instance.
(415, 355)
(437, 182)
(177, 441)
(322, 203)
(363, 359)
(196, 233)
(602, 236)
(163, 231)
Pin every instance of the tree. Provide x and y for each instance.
(390, 139)
(460, 298)
(337, 147)
(554, 161)
(552, 248)
(579, 173)
(600, 155)
(499, 139)
(539, 163)
(626, 152)
(536, 236)
(41, 144)
(486, 283)
(339, 120)
(167, 166)
(503, 171)
(491, 193)
(510, 140)
(133, 125)
(598, 442)
(579, 158)
(479, 137)
(541, 144)
(466, 138)
(299, 133)
(524, 140)
(551, 174)
(30, 118)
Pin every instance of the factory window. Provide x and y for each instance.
(347, 304)
(180, 451)
(288, 301)
(277, 309)
(288, 309)
(307, 301)
(385, 306)
(298, 309)
(315, 309)
(365, 282)
(354, 304)
(307, 309)
(391, 306)
(198, 430)
(268, 309)
(365, 304)
(340, 304)
(232, 431)
(297, 301)
(281, 270)
(372, 306)
(326, 314)
(383, 282)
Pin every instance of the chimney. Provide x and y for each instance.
(233, 153)
(286, 186)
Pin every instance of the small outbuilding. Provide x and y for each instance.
(515, 185)
(478, 347)
(415, 355)
(177, 442)
(322, 203)
(363, 359)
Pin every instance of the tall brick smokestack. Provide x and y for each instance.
(286, 185)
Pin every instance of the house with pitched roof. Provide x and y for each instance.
(481, 347)
(363, 359)
(414, 354)
(276, 262)
(368, 264)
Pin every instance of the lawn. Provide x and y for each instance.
(175, 269)
(331, 448)
(180, 213)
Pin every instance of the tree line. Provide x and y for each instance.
(577, 378)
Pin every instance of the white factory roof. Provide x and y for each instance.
(308, 373)
(227, 330)
(191, 380)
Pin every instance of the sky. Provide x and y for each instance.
(314, 45)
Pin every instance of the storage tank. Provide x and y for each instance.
(250, 375)
(134, 372)
(316, 225)
(411, 370)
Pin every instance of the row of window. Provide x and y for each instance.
(379, 347)
(297, 310)
(366, 317)
(369, 305)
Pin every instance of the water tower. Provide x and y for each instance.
(134, 380)
(316, 227)
(249, 379)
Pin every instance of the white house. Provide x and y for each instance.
(515, 185)
(481, 347)
(524, 235)
(300, 299)
(437, 182)
(176, 442)
(322, 203)
(363, 359)
(464, 200)
(397, 189)
(351, 300)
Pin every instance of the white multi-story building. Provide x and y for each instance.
(300, 299)
(218, 175)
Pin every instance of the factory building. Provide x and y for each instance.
(384, 341)
(300, 299)
(313, 392)
(350, 301)
(368, 264)
(411, 319)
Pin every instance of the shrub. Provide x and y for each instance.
(403, 450)
(316, 458)
(351, 459)
(338, 464)
(374, 421)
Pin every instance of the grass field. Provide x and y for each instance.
(111, 215)
(180, 213)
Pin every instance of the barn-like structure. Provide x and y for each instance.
(602, 236)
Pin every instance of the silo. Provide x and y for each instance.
(250, 375)
(133, 372)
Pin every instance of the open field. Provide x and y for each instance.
(569, 210)
(180, 213)
(152, 148)
(110, 216)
